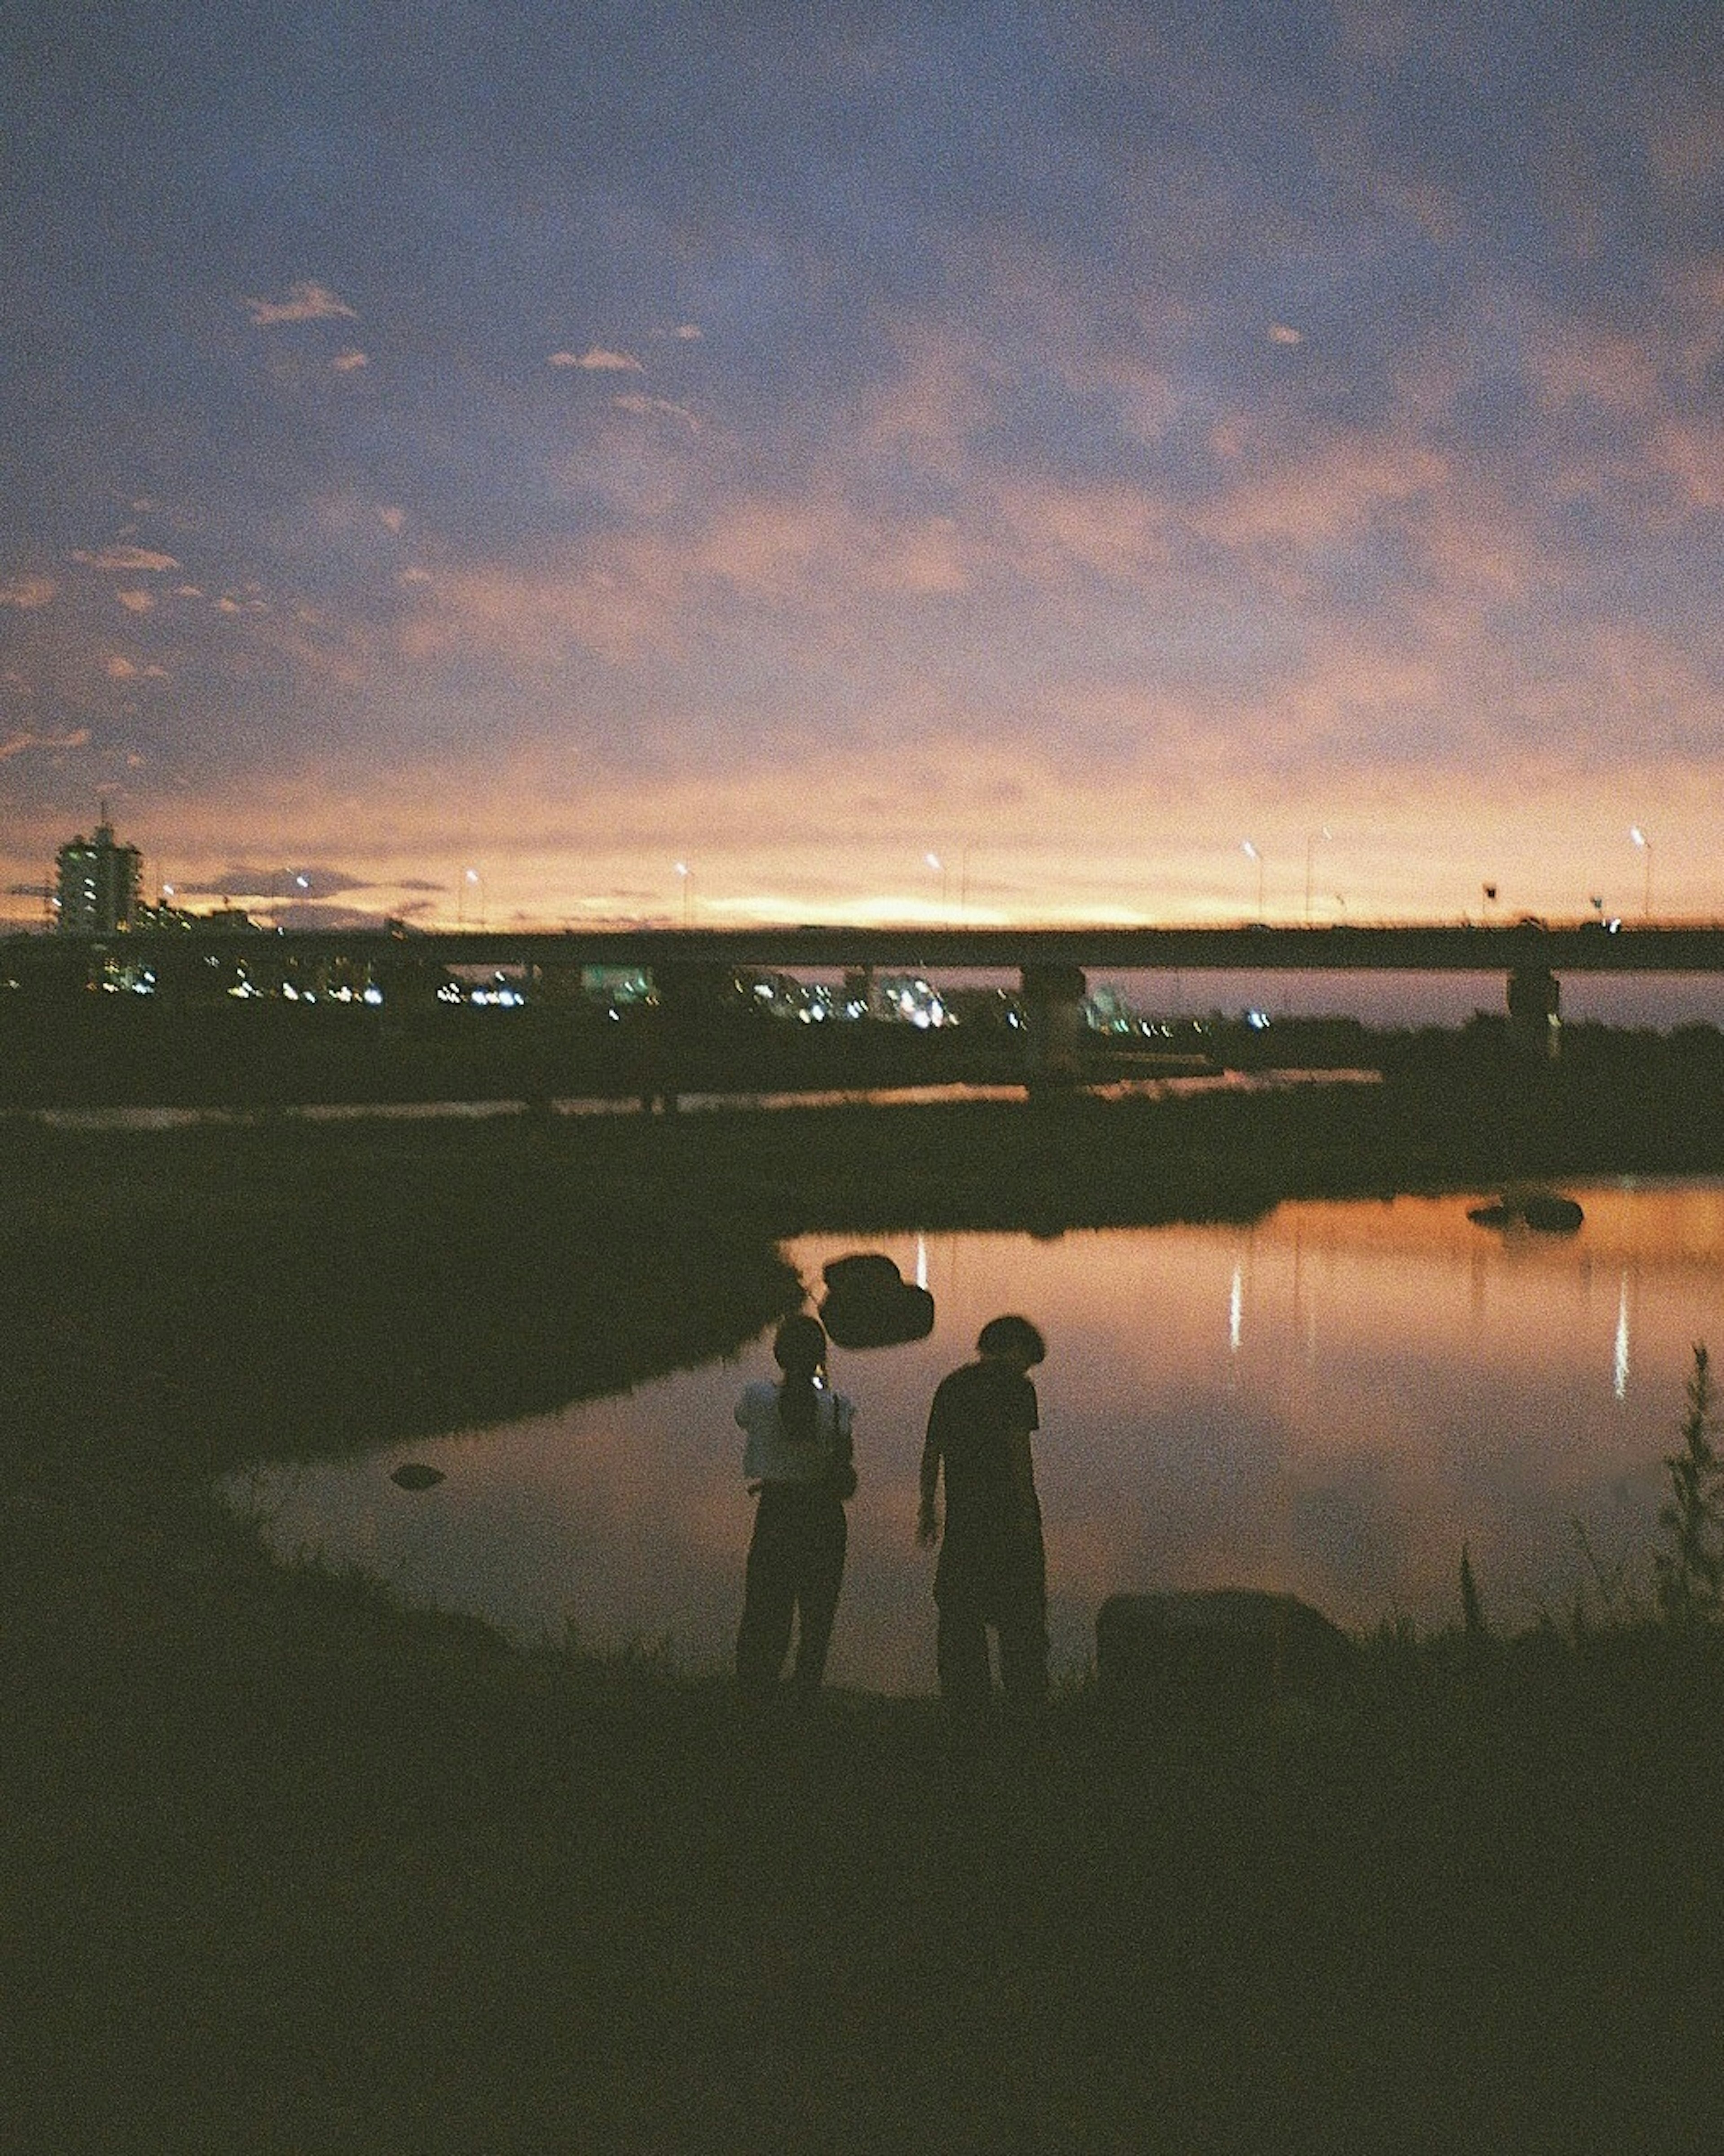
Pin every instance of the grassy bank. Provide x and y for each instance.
(288, 1868)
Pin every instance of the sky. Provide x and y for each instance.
(867, 462)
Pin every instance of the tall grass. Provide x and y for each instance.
(1689, 1572)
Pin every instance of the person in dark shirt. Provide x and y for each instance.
(993, 1566)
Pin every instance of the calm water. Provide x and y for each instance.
(1330, 1401)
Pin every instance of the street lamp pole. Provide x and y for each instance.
(1251, 853)
(1645, 844)
(687, 874)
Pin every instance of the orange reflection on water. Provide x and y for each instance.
(1331, 1400)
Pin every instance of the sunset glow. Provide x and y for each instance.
(680, 463)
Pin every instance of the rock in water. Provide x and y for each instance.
(869, 1304)
(1551, 1215)
(414, 1475)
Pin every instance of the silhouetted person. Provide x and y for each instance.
(799, 1458)
(992, 1568)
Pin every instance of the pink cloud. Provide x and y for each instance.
(28, 594)
(17, 744)
(1115, 531)
(307, 301)
(646, 406)
(1334, 493)
(596, 360)
(1692, 454)
(133, 558)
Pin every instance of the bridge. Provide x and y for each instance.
(1589, 947)
(1051, 962)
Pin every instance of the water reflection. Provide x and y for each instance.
(1331, 1400)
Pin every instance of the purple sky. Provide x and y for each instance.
(890, 460)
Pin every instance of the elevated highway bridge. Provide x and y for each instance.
(1051, 963)
(1589, 947)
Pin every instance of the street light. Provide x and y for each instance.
(687, 874)
(1645, 844)
(472, 876)
(1251, 853)
(935, 863)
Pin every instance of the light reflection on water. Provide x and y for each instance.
(1330, 1401)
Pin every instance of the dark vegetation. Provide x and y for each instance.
(287, 1867)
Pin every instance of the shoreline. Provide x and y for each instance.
(290, 1864)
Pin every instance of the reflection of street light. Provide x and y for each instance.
(687, 874)
(1645, 844)
(1311, 847)
(1251, 853)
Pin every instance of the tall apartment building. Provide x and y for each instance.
(96, 884)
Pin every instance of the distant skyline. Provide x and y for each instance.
(1035, 463)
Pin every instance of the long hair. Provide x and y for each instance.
(799, 1350)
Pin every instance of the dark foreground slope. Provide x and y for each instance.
(288, 1868)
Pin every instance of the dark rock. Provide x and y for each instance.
(862, 1272)
(1551, 1215)
(414, 1475)
(869, 1304)
(1545, 1211)
(1237, 1644)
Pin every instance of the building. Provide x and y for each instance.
(96, 884)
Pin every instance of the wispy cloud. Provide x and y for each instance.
(28, 594)
(307, 301)
(596, 360)
(17, 744)
(143, 560)
(349, 362)
(644, 406)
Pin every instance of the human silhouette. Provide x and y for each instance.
(798, 1458)
(993, 1566)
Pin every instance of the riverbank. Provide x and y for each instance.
(290, 1867)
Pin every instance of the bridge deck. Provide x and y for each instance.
(1591, 947)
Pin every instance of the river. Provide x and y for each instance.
(1331, 1400)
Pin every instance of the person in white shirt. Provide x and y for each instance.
(798, 1457)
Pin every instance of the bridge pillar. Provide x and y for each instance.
(1054, 1015)
(692, 997)
(1535, 1002)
